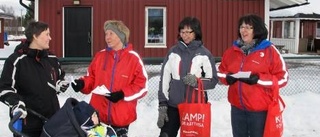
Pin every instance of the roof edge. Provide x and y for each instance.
(289, 6)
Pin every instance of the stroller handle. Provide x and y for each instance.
(17, 116)
(44, 119)
(12, 121)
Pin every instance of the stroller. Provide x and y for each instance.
(62, 124)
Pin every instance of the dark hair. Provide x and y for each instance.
(35, 28)
(259, 29)
(194, 24)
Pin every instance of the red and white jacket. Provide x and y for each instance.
(263, 60)
(117, 70)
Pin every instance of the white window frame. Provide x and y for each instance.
(318, 29)
(164, 40)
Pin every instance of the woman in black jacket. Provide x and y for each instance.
(31, 78)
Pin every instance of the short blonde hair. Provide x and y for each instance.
(120, 26)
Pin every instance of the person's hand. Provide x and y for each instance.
(230, 80)
(61, 86)
(19, 107)
(77, 85)
(115, 96)
(190, 80)
(163, 115)
(253, 79)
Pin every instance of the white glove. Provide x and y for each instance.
(20, 107)
(62, 86)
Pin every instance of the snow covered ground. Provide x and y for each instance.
(301, 116)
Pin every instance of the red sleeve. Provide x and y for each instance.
(277, 68)
(138, 87)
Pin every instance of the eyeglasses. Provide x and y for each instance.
(185, 32)
(246, 27)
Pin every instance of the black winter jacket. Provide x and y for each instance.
(25, 76)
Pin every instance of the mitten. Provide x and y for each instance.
(230, 80)
(77, 85)
(253, 79)
(13, 100)
(19, 107)
(163, 115)
(61, 86)
(115, 96)
(190, 80)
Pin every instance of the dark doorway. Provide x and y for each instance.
(77, 32)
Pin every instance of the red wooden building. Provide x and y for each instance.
(3, 16)
(77, 25)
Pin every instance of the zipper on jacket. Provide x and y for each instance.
(116, 58)
(240, 85)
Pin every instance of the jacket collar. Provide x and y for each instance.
(23, 48)
(192, 45)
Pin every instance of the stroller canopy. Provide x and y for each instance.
(63, 123)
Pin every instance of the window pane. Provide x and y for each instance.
(286, 29)
(155, 25)
(289, 29)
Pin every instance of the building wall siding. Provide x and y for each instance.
(218, 19)
(309, 27)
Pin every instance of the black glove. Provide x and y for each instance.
(61, 86)
(77, 85)
(115, 96)
(190, 80)
(163, 115)
(253, 79)
(230, 80)
(19, 107)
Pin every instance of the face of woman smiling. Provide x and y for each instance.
(42, 41)
(187, 34)
(246, 32)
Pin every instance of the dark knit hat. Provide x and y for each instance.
(83, 112)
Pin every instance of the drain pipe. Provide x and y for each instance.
(26, 6)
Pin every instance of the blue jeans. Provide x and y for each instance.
(247, 123)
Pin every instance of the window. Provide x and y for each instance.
(318, 30)
(155, 27)
(277, 29)
(289, 29)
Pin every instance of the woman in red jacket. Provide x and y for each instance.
(121, 72)
(249, 97)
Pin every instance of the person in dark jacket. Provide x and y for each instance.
(250, 96)
(185, 62)
(31, 78)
